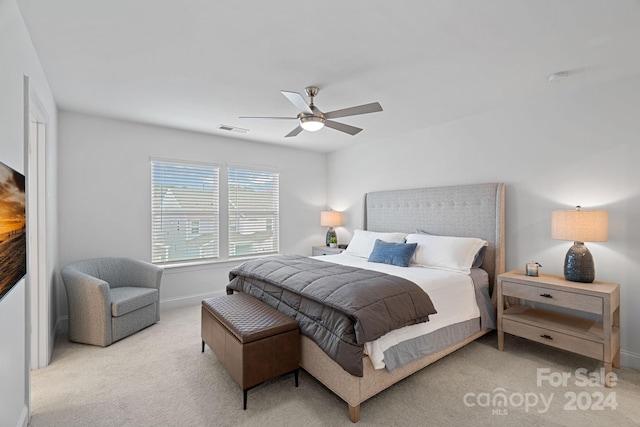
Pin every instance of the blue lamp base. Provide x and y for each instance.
(578, 264)
(331, 233)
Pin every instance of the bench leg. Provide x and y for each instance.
(244, 392)
(203, 346)
(354, 413)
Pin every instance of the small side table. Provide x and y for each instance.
(325, 250)
(597, 339)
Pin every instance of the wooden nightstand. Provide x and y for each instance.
(597, 339)
(325, 250)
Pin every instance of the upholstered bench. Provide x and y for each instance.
(252, 340)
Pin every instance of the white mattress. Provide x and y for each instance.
(452, 294)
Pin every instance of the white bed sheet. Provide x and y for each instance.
(452, 294)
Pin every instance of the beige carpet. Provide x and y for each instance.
(159, 377)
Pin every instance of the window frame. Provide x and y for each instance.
(273, 211)
(212, 254)
(224, 240)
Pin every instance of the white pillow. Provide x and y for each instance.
(445, 252)
(363, 241)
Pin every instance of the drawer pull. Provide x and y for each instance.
(546, 295)
(546, 337)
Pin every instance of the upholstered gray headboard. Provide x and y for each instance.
(462, 210)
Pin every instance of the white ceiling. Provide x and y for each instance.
(197, 64)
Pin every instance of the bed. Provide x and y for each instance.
(474, 211)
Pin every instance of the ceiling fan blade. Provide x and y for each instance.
(297, 100)
(277, 118)
(351, 130)
(294, 132)
(354, 111)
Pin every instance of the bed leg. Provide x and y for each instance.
(354, 413)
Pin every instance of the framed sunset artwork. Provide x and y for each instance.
(13, 235)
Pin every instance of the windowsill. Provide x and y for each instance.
(212, 263)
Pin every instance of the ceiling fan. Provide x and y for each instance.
(312, 119)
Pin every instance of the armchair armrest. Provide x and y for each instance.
(89, 301)
(143, 274)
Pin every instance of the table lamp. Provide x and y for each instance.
(579, 226)
(331, 219)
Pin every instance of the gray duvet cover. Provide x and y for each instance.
(338, 307)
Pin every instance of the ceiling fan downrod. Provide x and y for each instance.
(311, 91)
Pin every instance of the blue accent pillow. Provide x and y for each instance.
(392, 253)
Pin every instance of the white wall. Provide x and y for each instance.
(105, 194)
(18, 58)
(556, 152)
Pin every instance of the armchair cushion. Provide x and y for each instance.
(127, 299)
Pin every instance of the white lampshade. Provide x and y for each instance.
(312, 123)
(580, 226)
(330, 218)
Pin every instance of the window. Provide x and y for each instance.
(185, 211)
(253, 212)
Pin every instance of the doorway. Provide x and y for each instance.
(38, 300)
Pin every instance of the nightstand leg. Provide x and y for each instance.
(500, 311)
(616, 348)
(607, 374)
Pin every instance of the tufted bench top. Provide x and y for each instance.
(247, 318)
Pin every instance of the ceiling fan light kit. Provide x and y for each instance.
(312, 119)
(311, 123)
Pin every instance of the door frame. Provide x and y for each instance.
(39, 298)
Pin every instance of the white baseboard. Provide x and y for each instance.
(629, 359)
(188, 300)
(62, 321)
(24, 417)
(62, 325)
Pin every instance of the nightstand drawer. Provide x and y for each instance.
(325, 250)
(319, 252)
(544, 295)
(554, 339)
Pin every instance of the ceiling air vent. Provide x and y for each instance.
(232, 129)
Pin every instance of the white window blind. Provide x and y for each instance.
(253, 212)
(185, 211)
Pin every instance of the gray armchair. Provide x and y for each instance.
(111, 298)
